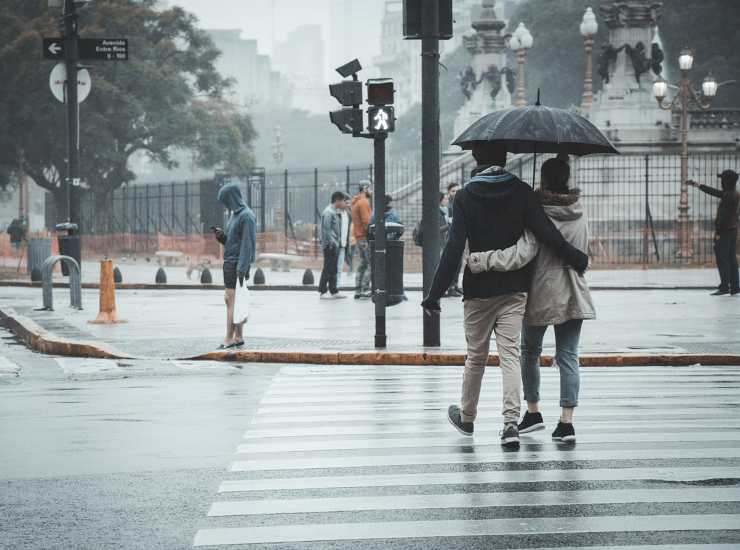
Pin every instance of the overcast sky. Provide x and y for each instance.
(269, 21)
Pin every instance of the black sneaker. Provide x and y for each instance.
(565, 433)
(734, 292)
(531, 422)
(720, 292)
(453, 415)
(510, 436)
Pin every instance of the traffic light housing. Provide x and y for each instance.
(380, 91)
(348, 92)
(348, 120)
(412, 26)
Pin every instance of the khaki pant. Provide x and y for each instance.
(503, 316)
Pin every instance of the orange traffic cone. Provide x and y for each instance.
(107, 314)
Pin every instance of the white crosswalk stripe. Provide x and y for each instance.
(363, 457)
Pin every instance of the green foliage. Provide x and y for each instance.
(166, 97)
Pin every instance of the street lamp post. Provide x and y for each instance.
(520, 42)
(588, 30)
(686, 97)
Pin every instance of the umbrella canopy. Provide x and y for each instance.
(537, 129)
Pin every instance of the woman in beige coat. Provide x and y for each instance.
(558, 296)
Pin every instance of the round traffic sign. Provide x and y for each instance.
(58, 79)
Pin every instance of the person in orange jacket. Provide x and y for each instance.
(361, 211)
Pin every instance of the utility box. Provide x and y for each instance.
(394, 248)
(412, 17)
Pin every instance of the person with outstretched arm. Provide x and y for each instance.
(492, 212)
(725, 232)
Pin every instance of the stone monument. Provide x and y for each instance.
(487, 83)
(625, 108)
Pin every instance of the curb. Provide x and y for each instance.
(411, 358)
(39, 339)
(306, 288)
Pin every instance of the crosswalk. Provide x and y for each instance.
(363, 457)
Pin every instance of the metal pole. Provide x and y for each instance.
(588, 95)
(285, 207)
(73, 133)
(262, 203)
(346, 180)
(429, 158)
(521, 57)
(684, 230)
(645, 237)
(316, 211)
(379, 254)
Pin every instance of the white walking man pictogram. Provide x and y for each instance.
(381, 120)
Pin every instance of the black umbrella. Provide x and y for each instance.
(537, 129)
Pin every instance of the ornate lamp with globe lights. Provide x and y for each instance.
(685, 98)
(520, 42)
(588, 30)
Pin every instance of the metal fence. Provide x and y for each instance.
(631, 202)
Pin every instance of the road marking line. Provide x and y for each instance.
(490, 456)
(463, 528)
(480, 478)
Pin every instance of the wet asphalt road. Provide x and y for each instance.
(150, 454)
(97, 454)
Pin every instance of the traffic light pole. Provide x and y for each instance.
(380, 240)
(430, 158)
(71, 58)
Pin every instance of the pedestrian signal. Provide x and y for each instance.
(381, 119)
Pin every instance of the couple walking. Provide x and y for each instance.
(524, 273)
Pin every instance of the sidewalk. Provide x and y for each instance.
(188, 323)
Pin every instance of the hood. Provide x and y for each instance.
(231, 197)
(562, 207)
(491, 183)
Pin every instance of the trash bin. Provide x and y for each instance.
(39, 249)
(69, 244)
(394, 247)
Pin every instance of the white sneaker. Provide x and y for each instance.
(337, 296)
(324, 296)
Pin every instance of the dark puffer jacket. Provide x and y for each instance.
(491, 212)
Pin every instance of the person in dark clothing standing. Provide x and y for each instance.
(240, 245)
(491, 212)
(330, 236)
(725, 227)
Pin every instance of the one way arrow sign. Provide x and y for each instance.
(53, 48)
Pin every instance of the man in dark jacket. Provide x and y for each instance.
(240, 244)
(491, 212)
(725, 236)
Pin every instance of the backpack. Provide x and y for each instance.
(418, 235)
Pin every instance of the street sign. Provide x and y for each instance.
(103, 49)
(100, 49)
(58, 78)
(53, 48)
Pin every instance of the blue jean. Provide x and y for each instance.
(567, 336)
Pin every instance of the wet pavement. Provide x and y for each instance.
(170, 454)
(186, 323)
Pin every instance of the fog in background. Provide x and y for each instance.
(350, 28)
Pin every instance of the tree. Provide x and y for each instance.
(166, 97)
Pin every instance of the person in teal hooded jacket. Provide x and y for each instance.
(240, 243)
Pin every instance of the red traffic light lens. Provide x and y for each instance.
(380, 91)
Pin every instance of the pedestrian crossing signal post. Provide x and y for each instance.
(381, 121)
